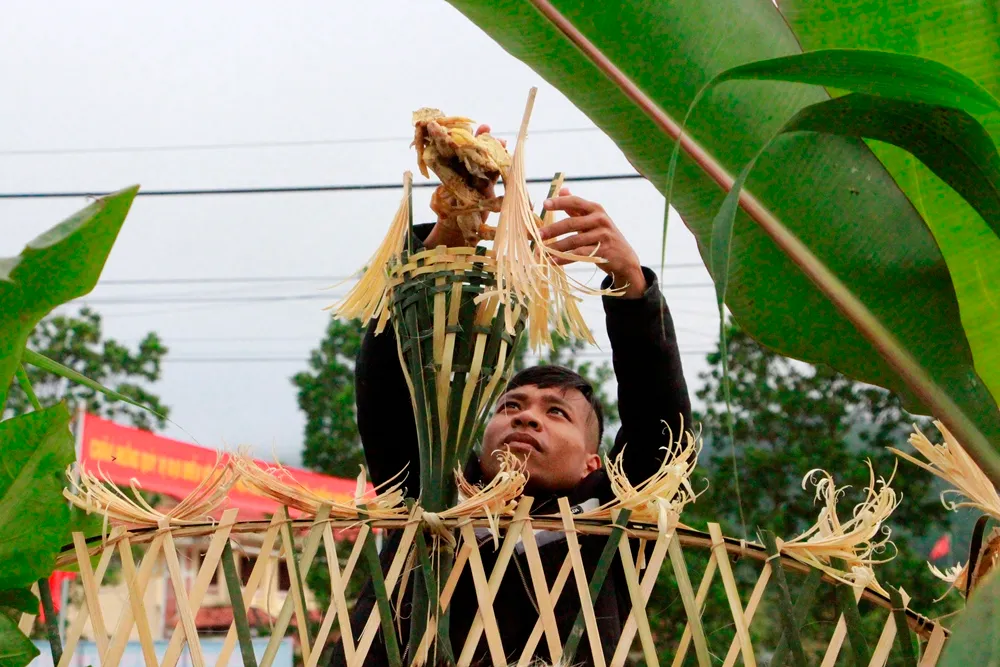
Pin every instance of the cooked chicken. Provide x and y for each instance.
(468, 166)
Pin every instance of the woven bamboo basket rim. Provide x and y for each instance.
(688, 537)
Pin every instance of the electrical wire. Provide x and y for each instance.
(293, 189)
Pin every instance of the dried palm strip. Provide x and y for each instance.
(482, 587)
(582, 587)
(932, 652)
(691, 607)
(278, 484)
(511, 539)
(499, 497)
(184, 610)
(116, 649)
(93, 601)
(205, 577)
(638, 605)
(99, 494)
(368, 634)
(253, 582)
(839, 634)
(369, 298)
(855, 541)
(702, 595)
(524, 262)
(294, 602)
(660, 498)
(546, 601)
(646, 589)
(755, 597)
(733, 594)
(136, 588)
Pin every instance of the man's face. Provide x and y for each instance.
(554, 430)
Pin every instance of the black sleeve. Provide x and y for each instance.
(652, 394)
(385, 412)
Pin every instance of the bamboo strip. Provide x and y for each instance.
(791, 638)
(368, 634)
(733, 594)
(338, 605)
(511, 539)
(691, 606)
(204, 579)
(648, 581)
(253, 582)
(352, 560)
(900, 600)
(755, 597)
(294, 600)
(93, 600)
(932, 652)
(546, 616)
(582, 585)
(136, 587)
(884, 646)
(240, 619)
(382, 606)
(76, 629)
(446, 592)
(27, 621)
(839, 634)
(638, 606)
(116, 649)
(703, 588)
(184, 608)
(485, 604)
(528, 653)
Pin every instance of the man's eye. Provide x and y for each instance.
(507, 406)
(559, 411)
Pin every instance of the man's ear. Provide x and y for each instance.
(593, 463)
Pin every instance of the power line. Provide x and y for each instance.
(339, 141)
(294, 189)
(264, 298)
(293, 279)
(303, 360)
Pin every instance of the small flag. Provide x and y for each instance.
(942, 547)
(55, 588)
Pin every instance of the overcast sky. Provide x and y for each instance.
(102, 75)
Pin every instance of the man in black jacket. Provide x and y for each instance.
(551, 416)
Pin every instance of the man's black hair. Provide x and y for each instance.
(560, 377)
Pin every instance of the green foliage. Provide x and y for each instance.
(16, 650)
(788, 418)
(830, 193)
(966, 37)
(19, 599)
(77, 343)
(326, 396)
(37, 448)
(60, 265)
(976, 638)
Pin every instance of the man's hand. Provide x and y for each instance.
(446, 232)
(590, 228)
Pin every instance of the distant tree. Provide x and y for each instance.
(78, 342)
(326, 396)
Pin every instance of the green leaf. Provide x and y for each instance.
(975, 639)
(965, 36)
(60, 265)
(46, 364)
(37, 448)
(875, 241)
(16, 650)
(21, 599)
(880, 73)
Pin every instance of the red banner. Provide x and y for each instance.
(175, 468)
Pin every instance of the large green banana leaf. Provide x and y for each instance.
(832, 192)
(965, 35)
